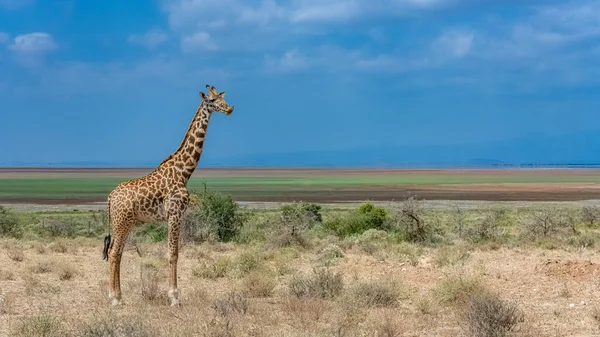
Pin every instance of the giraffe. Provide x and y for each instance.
(161, 195)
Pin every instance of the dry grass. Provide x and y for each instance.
(16, 254)
(250, 291)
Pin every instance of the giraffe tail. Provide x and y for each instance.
(107, 238)
(106, 246)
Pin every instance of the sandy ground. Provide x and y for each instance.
(557, 290)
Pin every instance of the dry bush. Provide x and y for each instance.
(259, 284)
(6, 275)
(247, 261)
(66, 272)
(330, 255)
(111, 326)
(219, 327)
(16, 254)
(426, 305)
(458, 289)
(306, 310)
(35, 286)
(379, 293)
(39, 326)
(451, 256)
(296, 218)
(39, 248)
(3, 304)
(149, 281)
(459, 219)
(219, 268)
(490, 316)
(596, 315)
(59, 246)
(410, 220)
(590, 214)
(323, 283)
(488, 228)
(548, 222)
(388, 325)
(408, 252)
(230, 304)
(41, 267)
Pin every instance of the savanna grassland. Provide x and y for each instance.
(409, 267)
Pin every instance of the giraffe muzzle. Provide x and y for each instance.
(228, 112)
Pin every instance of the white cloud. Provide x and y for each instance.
(33, 43)
(200, 41)
(290, 61)
(454, 43)
(151, 39)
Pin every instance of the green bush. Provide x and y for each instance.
(367, 216)
(295, 220)
(9, 224)
(211, 216)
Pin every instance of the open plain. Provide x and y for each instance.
(493, 253)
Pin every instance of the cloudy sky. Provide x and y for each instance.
(115, 82)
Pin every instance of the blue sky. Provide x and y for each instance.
(117, 82)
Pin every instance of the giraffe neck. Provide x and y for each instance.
(185, 159)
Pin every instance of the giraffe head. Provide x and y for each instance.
(215, 101)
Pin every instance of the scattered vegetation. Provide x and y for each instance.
(489, 315)
(321, 283)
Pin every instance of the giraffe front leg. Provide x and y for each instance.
(174, 226)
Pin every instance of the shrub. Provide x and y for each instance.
(231, 303)
(590, 214)
(489, 315)
(34, 326)
(153, 231)
(323, 284)
(367, 216)
(9, 224)
(113, 326)
(457, 289)
(547, 222)
(16, 254)
(295, 219)
(211, 216)
(410, 220)
(218, 269)
(488, 228)
(375, 294)
(259, 284)
(58, 227)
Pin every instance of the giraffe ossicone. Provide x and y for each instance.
(161, 195)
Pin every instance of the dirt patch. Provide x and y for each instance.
(569, 269)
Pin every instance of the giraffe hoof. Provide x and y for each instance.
(175, 303)
(115, 302)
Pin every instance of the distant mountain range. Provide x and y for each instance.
(572, 149)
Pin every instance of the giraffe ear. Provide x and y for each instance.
(222, 94)
(203, 95)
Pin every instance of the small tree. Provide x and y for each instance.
(460, 218)
(211, 215)
(299, 217)
(9, 224)
(410, 219)
(549, 221)
(590, 214)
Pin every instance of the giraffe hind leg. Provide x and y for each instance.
(115, 252)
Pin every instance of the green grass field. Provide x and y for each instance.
(267, 185)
